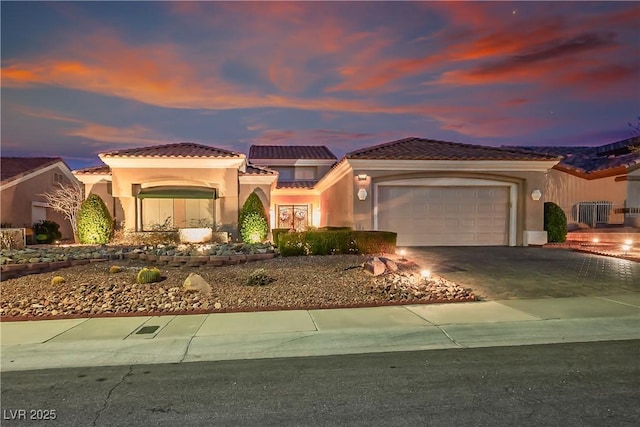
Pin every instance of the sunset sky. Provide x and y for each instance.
(80, 78)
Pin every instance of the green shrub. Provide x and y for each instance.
(95, 225)
(335, 242)
(254, 228)
(276, 233)
(555, 222)
(46, 231)
(259, 277)
(253, 222)
(148, 275)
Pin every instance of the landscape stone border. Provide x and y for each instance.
(16, 269)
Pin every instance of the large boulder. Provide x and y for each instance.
(374, 266)
(195, 283)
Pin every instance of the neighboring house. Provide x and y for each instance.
(23, 181)
(595, 185)
(295, 204)
(429, 192)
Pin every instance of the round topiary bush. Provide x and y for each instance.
(555, 222)
(95, 225)
(253, 223)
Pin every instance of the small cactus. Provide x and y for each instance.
(57, 280)
(115, 269)
(259, 277)
(148, 275)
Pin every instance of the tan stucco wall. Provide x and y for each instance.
(633, 198)
(567, 190)
(225, 180)
(337, 204)
(15, 202)
(263, 191)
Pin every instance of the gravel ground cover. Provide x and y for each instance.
(299, 283)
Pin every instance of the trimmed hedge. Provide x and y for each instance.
(334, 242)
(555, 222)
(276, 232)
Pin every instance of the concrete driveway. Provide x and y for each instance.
(496, 273)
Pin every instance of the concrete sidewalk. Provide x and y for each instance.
(208, 337)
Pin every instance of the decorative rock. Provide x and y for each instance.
(390, 264)
(374, 266)
(195, 283)
(217, 306)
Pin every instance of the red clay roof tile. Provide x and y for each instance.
(183, 149)
(296, 184)
(429, 149)
(290, 152)
(15, 167)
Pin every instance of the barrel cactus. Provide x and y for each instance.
(57, 280)
(115, 269)
(149, 275)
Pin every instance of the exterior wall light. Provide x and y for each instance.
(626, 248)
(425, 274)
(536, 195)
(362, 177)
(362, 194)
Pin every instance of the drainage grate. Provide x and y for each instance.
(147, 330)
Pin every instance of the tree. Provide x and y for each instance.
(66, 199)
(95, 225)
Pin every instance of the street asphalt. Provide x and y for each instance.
(530, 296)
(571, 384)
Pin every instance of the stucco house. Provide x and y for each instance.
(429, 192)
(596, 185)
(23, 180)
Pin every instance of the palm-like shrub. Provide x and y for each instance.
(253, 222)
(95, 225)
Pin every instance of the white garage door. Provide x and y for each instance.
(445, 216)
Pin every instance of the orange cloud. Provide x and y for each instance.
(136, 135)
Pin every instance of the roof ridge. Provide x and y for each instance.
(140, 151)
(378, 146)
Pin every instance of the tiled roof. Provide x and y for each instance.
(296, 184)
(587, 160)
(15, 167)
(255, 170)
(94, 170)
(429, 149)
(180, 150)
(291, 152)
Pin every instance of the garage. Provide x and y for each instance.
(445, 215)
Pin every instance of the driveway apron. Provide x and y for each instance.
(498, 273)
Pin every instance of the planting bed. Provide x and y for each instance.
(308, 282)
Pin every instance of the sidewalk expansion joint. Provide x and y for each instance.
(65, 331)
(450, 337)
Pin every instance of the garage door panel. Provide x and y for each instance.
(445, 216)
